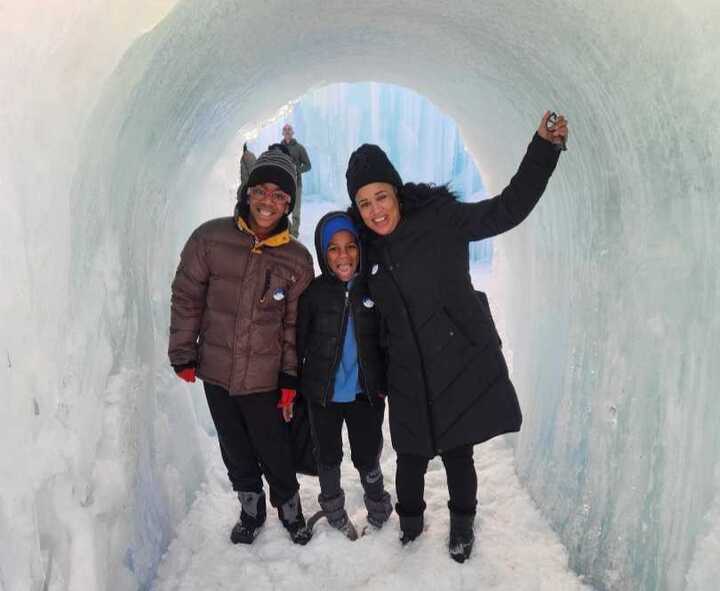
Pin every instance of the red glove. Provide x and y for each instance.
(187, 374)
(287, 397)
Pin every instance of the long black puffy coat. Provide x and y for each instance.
(322, 321)
(447, 379)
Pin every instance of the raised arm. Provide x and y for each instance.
(475, 221)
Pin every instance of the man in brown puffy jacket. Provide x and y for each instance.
(233, 311)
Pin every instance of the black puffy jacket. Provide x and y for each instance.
(448, 383)
(321, 324)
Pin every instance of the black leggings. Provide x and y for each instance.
(461, 481)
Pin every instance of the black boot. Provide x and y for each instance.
(377, 499)
(252, 518)
(290, 513)
(411, 525)
(379, 510)
(336, 515)
(462, 536)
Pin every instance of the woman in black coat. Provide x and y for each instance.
(448, 384)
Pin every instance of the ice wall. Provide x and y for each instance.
(609, 291)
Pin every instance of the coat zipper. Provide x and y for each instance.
(361, 371)
(266, 286)
(232, 363)
(339, 347)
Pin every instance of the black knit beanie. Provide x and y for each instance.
(272, 167)
(369, 164)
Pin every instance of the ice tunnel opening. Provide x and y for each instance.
(424, 144)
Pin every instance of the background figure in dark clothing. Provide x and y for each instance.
(448, 382)
(343, 372)
(236, 290)
(302, 162)
(247, 161)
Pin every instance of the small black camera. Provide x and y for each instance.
(550, 125)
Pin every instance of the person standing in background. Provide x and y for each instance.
(247, 161)
(299, 155)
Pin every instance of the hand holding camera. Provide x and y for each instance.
(554, 128)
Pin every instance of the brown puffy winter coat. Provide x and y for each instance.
(234, 305)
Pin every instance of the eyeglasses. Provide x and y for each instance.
(276, 195)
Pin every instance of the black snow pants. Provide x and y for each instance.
(364, 425)
(254, 441)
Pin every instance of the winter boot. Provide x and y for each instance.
(336, 515)
(252, 517)
(379, 511)
(291, 515)
(377, 500)
(462, 536)
(411, 525)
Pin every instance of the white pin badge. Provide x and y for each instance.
(279, 294)
(368, 303)
(374, 269)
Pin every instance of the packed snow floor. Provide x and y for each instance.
(515, 548)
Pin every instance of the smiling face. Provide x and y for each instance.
(379, 207)
(267, 204)
(343, 255)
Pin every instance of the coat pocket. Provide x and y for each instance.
(441, 340)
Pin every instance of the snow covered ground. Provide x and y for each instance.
(515, 550)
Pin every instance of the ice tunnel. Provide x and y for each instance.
(112, 118)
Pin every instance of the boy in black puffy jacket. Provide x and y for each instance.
(343, 372)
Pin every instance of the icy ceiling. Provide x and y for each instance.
(113, 115)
